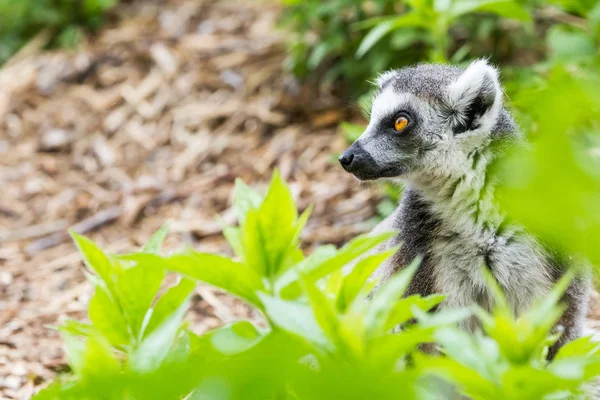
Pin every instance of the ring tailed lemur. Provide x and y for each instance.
(434, 127)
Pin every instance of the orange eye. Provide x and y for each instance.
(400, 123)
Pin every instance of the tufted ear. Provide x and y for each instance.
(384, 78)
(475, 98)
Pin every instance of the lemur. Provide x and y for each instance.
(436, 129)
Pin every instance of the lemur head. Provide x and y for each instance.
(429, 119)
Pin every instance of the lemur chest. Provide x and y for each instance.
(458, 260)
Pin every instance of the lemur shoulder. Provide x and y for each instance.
(436, 128)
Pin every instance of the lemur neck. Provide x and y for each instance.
(462, 198)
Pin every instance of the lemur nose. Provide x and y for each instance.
(346, 159)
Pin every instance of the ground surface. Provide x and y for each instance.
(151, 119)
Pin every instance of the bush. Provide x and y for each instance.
(322, 339)
(21, 20)
(351, 41)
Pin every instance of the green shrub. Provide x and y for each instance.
(553, 187)
(322, 338)
(323, 39)
(21, 20)
(352, 41)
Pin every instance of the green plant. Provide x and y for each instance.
(22, 20)
(561, 165)
(322, 339)
(343, 39)
(351, 41)
(508, 360)
(322, 40)
(434, 18)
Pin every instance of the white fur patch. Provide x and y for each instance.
(388, 102)
(384, 77)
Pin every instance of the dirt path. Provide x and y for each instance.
(152, 119)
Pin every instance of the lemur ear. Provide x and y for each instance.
(474, 99)
(384, 78)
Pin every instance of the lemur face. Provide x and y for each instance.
(427, 117)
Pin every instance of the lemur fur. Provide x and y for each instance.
(447, 215)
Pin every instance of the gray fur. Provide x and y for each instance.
(448, 214)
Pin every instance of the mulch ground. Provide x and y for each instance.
(151, 119)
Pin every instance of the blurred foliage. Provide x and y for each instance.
(553, 186)
(352, 40)
(21, 20)
(322, 338)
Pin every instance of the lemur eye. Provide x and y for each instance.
(400, 123)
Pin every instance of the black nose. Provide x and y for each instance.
(346, 159)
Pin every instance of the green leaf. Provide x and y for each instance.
(215, 270)
(321, 266)
(76, 328)
(539, 312)
(97, 261)
(411, 19)
(234, 238)
(97, 7)
(156, 346)
(581, 347)
(74, 349)
(70, 37)
(291, 276)
(472, 384)
(354, 282)
(234, 338)
(475, 351)
(569, 45)
(384, 299)
(107, 317)
(181, 348)
(245, 199)
(254, 244)
(98, 358)
(318, 53)
(355, 248)
(384, 351)
(503, 8)
(156, 241)
(296, 318)
(442, 6)
(137, 287)
(323, 311)
(168, 303)
(402, 311)
(500, 303)
(333, 284)
(276, 226)
(374, 21)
